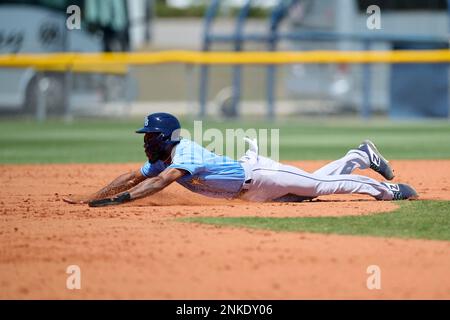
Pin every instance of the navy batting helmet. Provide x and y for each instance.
(162, 133)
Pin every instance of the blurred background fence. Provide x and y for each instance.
(242, 58)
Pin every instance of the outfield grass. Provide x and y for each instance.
(23, 141)
(414, 219)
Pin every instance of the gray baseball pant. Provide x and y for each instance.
(268, 180)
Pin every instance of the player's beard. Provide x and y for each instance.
(155, 154)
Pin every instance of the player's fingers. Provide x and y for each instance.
(69, 200)
(73, 201)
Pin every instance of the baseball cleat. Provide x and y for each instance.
(377, 162)
(402, 191)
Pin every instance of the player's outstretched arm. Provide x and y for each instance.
(143, 189)
(120, 184)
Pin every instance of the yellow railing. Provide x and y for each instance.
(117, 62)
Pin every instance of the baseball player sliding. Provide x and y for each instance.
(253, 177)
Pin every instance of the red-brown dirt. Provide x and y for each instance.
(141, 250)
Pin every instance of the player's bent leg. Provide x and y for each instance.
(346, 165)
(366, 156)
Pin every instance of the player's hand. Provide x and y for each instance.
(124, 197)
(76, 199)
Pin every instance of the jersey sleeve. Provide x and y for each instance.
(189, 158)
(151, 170)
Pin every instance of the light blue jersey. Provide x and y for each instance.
(208, 173)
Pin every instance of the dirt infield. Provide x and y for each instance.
(140, 250)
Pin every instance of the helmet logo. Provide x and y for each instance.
(146, 122)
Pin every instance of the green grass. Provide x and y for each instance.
(25, 141)
(81, 141)
(416, 219)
